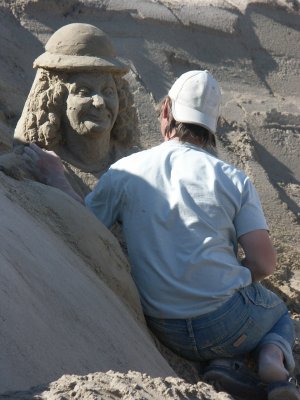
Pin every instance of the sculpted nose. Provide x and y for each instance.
(97, 101)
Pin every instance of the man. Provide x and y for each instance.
(183, 213)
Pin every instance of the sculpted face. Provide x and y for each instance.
(92, 103)
(74, 103)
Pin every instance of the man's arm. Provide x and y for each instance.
(49, 169)
(260, 255)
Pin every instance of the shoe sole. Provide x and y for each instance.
(284, 393)
(225, 381)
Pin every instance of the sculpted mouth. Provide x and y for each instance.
(98, 117)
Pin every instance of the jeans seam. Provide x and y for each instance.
(190, 329)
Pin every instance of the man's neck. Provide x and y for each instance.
(188, 139)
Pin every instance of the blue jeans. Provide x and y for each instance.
(252, 317)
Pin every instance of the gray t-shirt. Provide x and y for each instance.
(182, 211)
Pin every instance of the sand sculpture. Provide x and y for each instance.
(79, 104)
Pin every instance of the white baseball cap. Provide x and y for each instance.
(196, 99)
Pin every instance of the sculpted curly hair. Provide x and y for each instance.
(40, 121)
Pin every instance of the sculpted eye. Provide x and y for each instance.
(83, 91)
(109, 91)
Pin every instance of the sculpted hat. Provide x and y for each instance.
(196, 99)
(80, 47)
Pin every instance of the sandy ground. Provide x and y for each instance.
(68, 304)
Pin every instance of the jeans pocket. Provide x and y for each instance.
(241, 342)
(257, 294)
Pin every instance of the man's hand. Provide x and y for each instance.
(48, 168)
(46, 165)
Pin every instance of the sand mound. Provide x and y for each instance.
(67, 309)
(69, 305)
(113, 386)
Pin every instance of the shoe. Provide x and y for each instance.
(235, 378)
(283, 391)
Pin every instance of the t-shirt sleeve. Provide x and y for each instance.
(104, 200)
(250, 216)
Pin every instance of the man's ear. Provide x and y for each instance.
(165, 109)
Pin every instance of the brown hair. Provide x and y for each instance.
(184, 130)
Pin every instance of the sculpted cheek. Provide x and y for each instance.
(114, 107)
(76, 103)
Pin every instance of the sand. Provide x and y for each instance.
(71, 325)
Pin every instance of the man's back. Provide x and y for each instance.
(180, 208)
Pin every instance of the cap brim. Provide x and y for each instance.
(188, 115)
(79, 63)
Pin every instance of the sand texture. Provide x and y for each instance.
(71, 325)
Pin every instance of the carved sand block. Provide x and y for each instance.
(79, 105)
